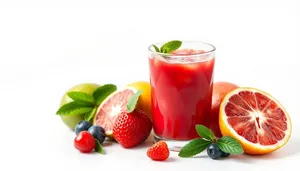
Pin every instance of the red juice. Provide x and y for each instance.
(181, 93)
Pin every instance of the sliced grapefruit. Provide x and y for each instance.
(111, 107)
(256, 119)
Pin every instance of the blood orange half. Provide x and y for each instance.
(256, 119)
(111, 107)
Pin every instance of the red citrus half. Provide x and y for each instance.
(256, 119)
(111, 107)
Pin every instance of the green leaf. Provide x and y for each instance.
(102, 92)
(230, 145)
(98, 147)
(194, 147)
(170, 46)
(133, 101)
(73, 108)
(88, 116)
(81, 97)
(156, 48)
(204, 132)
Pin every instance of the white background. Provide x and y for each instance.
(48, 46)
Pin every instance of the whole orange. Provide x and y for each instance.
(220, 89)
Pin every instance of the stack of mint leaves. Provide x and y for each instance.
(85, 104)
(225, 143)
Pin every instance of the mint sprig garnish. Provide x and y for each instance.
(88, 116)
(230, 145)
(205, 133)
(194, 147)
(81, 97)
(168, 47)
(102, 92)
(133, 101)
(156, 48)
(226, 144)
(98, 148)
(85, 104)
(73, 108)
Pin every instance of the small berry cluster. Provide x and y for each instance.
(88, 137)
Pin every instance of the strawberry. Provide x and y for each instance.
(131, 129)
(158, 151)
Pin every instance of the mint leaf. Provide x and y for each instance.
(73, 108)
(133, 100)
(230, 145)
(170, 46)
(194, 147)
(81, 97)
(204, 132)
(98, 147)
(102, 92)
(88, 116)
(156, 48)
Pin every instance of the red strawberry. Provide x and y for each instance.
(158, 151)
(131, 129)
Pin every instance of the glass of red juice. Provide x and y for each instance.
(181, 91)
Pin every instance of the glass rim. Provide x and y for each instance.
(183, 55)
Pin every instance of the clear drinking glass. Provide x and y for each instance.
(181, 91)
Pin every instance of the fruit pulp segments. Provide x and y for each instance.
(269, 124)
(181, 96)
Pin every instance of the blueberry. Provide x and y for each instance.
(98, 133)
(82, 126)
(213, 151)
(224, 154)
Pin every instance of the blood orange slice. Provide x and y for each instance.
(111, 107)
(256, 119)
